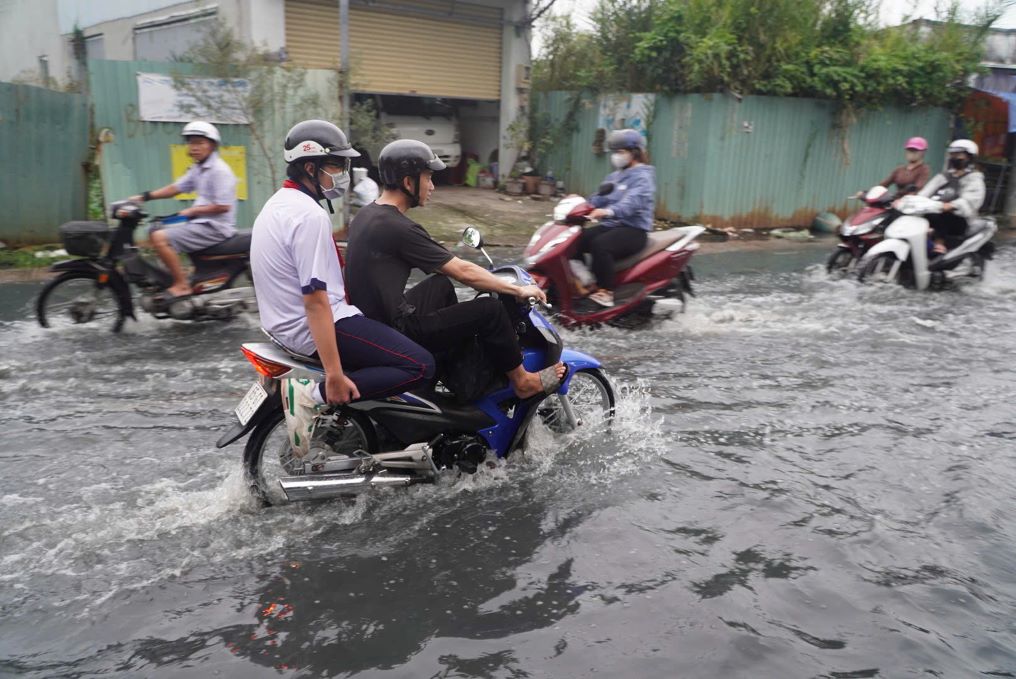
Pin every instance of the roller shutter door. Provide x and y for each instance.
(426, 47)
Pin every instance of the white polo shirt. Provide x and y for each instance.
(292, 253)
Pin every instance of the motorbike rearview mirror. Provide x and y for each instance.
(605, 188)
(472, 237)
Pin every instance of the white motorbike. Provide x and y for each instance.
(902, 257)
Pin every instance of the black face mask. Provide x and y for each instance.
(957, 163)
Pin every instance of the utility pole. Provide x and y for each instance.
(344, 84)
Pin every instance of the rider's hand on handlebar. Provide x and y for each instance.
(527, 291)
(137, 199)
(340, 389)
(599, 213)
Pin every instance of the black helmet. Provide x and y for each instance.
(317, 139)
(627, 139)
(406, 158)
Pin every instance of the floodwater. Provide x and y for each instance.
(808, 479)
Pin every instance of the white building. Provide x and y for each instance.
(474, 53)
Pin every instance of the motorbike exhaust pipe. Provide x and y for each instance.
(323, 487)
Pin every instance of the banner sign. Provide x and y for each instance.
(217, 100)
(235, 157)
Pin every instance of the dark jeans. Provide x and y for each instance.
(441, 323)
(379, 360)
(948, 226)
(607, 244)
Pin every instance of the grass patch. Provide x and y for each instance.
(26, 258)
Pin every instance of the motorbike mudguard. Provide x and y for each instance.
(115, 280)
(576, 361)
(899, 248)
(238, 431)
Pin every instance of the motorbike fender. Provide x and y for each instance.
(576, 361)
(238, 431)
(115, 280)
(899, 248)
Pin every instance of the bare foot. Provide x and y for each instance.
(179, 290)
(528, 384)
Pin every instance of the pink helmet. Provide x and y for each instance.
(917, 144)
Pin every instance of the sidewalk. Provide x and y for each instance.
(504, 220)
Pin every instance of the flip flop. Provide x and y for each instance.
(167, 298)
(549, 380)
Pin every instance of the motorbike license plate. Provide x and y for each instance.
(255, 396)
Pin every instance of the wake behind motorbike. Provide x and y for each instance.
(903, 256)
(863, 229)
(410, 438)
(95, 287)
(651, 282)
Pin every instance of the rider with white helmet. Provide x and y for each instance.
(212, 217)
(960, 189)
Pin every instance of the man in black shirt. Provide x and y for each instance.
(385, 245)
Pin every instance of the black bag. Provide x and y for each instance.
(85, 239)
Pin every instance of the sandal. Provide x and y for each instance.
(604, 298)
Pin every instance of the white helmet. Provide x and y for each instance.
(200, 128)
(963, 146)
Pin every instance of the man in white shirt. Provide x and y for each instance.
(301, 293)
(212, 217)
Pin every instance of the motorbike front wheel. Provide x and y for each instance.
(76, 298)
(884, 268)
(268, 457)
(591, 399)
(840, 261)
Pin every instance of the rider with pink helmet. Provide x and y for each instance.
(912, 176)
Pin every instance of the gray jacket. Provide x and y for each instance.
(971, 192)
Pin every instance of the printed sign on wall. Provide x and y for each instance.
(235, 157)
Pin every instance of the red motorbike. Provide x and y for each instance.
(862, 230)
(652, 282)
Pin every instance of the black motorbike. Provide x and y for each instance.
(96, 287)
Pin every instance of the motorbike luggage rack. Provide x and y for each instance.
(300, 357)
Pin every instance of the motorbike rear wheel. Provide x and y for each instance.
(75, 298)
(591, 398)
(267, 453)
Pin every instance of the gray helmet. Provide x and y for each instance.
(317, 139)
(406, 158)
(626, 139)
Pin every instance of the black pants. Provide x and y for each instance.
(607, 244)
(441, 323)
(948, 226)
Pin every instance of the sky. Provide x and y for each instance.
(893, 12)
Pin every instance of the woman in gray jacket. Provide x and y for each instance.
(961, 190)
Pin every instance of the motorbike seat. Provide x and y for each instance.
(657, 241)
(235, 245)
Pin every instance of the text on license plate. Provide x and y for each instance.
(256, 395)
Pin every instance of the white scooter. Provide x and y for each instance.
(903, 256)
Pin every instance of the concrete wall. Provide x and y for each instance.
(28, 30)
(515, 45)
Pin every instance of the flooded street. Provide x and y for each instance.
(808, 479)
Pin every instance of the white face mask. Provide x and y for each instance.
(621, 159)
(340, 182)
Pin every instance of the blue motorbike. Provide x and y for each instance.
(410, 438)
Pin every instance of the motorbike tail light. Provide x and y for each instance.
(264, 366)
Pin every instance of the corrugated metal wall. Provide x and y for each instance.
(138, 157)
(43, 145)
(754, 162)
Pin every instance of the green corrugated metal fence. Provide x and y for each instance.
(43, 148)
(138, 158)
(751, 162)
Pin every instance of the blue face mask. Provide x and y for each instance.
(340, 183)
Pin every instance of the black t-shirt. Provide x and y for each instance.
(384, 246)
